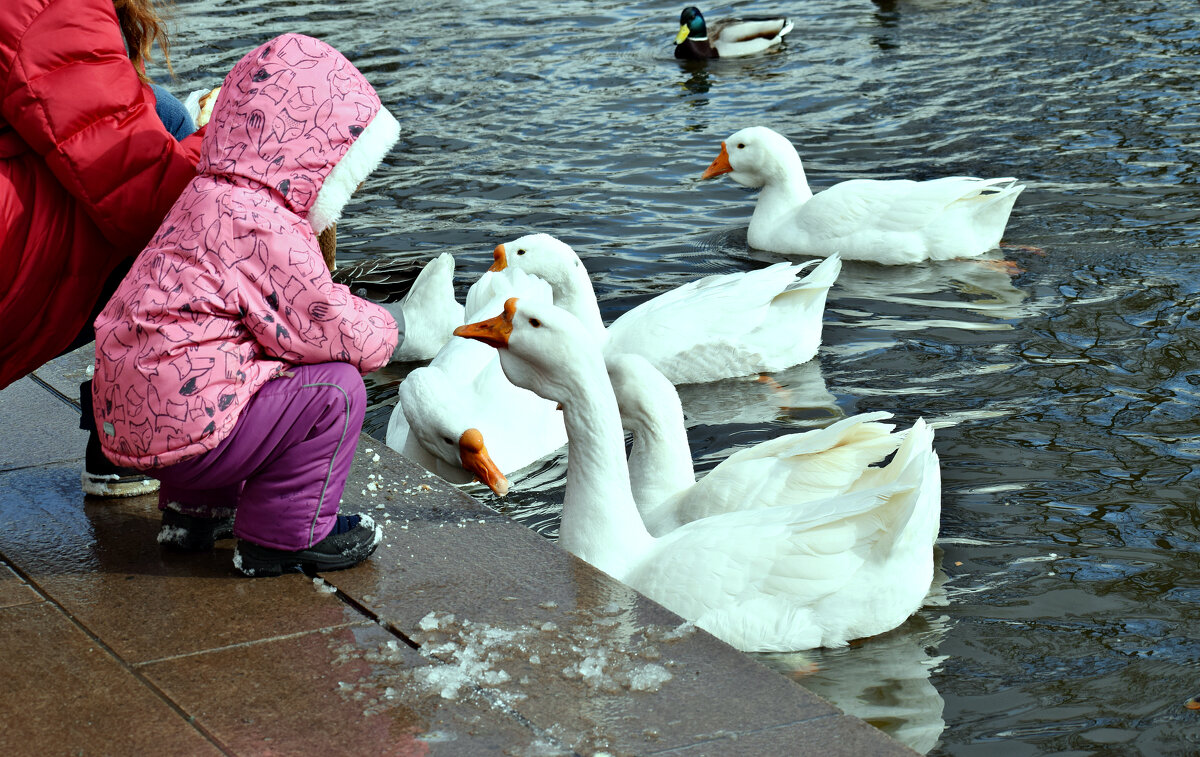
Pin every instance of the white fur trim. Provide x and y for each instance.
(360, 160)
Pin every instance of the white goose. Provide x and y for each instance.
(440, 435)
(447, 409)
(783, 578)
(429, 312)
(890, 222)
(713, 328)
(790, 469)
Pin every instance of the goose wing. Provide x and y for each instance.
(699, 331)
(896, 205)
(757, 578)
(791, 469)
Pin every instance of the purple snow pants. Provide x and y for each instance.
(282, 469)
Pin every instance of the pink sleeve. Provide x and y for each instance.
(298, 314)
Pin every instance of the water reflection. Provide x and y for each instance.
(697, 82)
(796, 393)
(885, 680)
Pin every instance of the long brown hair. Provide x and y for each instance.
(142, 27)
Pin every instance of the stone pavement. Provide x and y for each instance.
(465, 634)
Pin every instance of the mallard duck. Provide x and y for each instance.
(727, 38)
(447, 410)
(890, 221)
(789, 469)
(713, 328)
(783, 578)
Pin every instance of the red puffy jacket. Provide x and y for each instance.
(87, 171)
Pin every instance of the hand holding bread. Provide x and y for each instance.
(207, 102)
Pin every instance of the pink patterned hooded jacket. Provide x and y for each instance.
(232, 290)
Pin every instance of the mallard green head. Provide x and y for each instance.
(691, 25)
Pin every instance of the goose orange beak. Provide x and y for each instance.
(476, 459)
(493, 332)
(719, 166)
(500, 257)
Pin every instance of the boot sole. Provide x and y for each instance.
(116, 486)
(254, 561)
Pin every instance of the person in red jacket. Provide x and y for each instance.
(87, 173)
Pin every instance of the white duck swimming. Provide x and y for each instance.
(782, 578)
(790, 469)
(727, 38)
(429, 313)
(447, 409)
(713, 328)
(891, 222)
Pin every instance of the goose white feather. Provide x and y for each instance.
(463, 389)
(713, 328)
(891, 222)
(782, 578)
(429, 311)
(789, 469)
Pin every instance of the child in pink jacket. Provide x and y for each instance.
(228, 363)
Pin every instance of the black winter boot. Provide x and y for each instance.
(352, 540)
(101, 478)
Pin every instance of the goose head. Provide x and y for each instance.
(756, 156)
(691, 25)
(434, 420)
(543, 348)
(554, 262)
(547, 258)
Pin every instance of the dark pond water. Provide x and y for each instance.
(1067, 615)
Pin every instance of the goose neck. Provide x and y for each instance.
(579, 299)
(600, 521)
(788, 182)
(660, 458)
(778, 201)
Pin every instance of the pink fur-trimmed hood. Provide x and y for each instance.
(296, 116)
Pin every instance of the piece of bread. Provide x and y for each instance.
(206, 106)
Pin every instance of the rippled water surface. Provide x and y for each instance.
(1065, 617)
